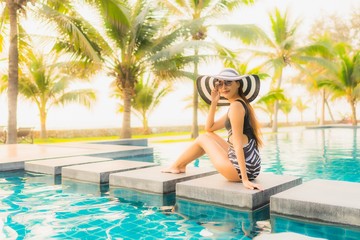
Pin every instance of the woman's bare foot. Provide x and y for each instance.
(174, 170)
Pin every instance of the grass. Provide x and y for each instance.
(167, 137)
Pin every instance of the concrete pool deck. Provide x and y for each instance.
(14, 156)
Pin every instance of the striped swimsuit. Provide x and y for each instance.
(251, 152)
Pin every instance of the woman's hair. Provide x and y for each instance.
(253, 120)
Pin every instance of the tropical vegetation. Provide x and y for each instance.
(164, 41)
(48, 83)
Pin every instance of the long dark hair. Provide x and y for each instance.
(253, 120)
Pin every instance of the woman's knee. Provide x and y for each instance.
(204, 137)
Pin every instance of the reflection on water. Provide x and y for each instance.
(223, 223)
(329, 153)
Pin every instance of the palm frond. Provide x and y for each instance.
(77, 32)
(247, 33)
(84, 97)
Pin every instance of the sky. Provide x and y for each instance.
(172, 110)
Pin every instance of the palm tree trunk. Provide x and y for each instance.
(195, 127)
(322, 116)
(329, 109)
(353, 113)
(276, 107)
(145, 124)
(275, 120)
(43, 134)
(126, 125)
(13, 74)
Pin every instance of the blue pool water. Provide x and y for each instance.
(37, 206)
(327, 153)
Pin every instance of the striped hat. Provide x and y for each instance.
(250, 85)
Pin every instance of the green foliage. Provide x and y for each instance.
(49, 83)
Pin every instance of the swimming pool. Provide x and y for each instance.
(37, 206)
(324, 153)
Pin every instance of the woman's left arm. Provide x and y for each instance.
(237, 116)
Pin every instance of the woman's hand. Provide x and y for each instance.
(252, 186)
(215, 95)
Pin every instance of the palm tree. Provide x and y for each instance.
(286, 107)
(147, 97)
(139, 47)
(278, 50)
(343, 78)
(266, 103)
(13, 9)
(301, 107)
(201, 13)
(47, 84)
(325, 51)
(69, 24)
(330, 32)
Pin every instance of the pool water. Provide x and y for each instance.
(324, 153)
(37, 206)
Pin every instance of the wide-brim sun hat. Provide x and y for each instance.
(249, 83)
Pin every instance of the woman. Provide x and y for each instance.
(237, 159)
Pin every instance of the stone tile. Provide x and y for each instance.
(53, 166)
(87, 188)
(164, 201)
(11, 165)
(153, 180)
(325, 200)
(216, 189)
(285, 236)
(99, 172)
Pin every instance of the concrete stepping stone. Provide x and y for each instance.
(86, 188)
(163, 201)
(324, 200)
(99, 172)
(153, 180)
(54, 166)
(216, 189)
(285, 236)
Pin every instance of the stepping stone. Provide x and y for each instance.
(54, 166)
(153, 180)
(87, 188)
(47, 179)
(163, 201)
(99, 172)
(285, 236)
(11, 165)
(324, 200)
(216, 189)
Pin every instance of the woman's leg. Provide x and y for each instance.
(215, 147)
